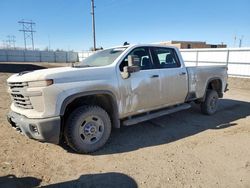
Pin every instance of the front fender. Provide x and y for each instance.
(71, 98)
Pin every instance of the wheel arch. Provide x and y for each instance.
(104, 99)
(214, 84)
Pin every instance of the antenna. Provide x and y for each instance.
(27, 29)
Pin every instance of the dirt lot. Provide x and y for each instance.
(185, 149)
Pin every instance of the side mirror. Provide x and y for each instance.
(133, 60)
(133, 66)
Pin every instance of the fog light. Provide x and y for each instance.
(34, 129)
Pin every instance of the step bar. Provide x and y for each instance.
(152, 115)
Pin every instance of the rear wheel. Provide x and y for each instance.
(87, 129)
(209, 106)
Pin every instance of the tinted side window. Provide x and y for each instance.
(165, 58)
(144, 57)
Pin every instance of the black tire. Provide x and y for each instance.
(87, 129)
(209, 106)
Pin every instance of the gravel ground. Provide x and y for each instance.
(185, 149)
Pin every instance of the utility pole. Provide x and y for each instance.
(28, 32)
(235, 39)
(93, 22)
(241, 39)
(240, 43)
(11, 40)
(5, 44)
(49, 42)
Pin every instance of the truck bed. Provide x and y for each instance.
(198, 77)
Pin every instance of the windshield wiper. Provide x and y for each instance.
(81, 66)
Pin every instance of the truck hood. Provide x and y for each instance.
(60, 75)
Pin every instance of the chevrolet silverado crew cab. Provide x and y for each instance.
(113, 87)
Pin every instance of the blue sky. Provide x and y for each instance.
(68, 23)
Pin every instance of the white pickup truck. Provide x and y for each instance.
(117, 86)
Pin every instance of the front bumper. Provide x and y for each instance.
(44, 130)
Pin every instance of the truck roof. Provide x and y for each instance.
(143, 45)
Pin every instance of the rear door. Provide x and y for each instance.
(174, 79)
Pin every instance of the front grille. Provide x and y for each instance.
(17, 90)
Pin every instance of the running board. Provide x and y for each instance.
(153, 115)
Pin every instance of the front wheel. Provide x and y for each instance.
(87, 129)
(209, 106)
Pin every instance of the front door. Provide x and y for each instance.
(141, 91)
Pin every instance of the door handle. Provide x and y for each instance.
(182, 73)
(155, 76)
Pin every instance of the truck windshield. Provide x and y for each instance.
(101, 58)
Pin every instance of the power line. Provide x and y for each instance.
(93, 23)
(28, 30)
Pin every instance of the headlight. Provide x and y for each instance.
(40, 83)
